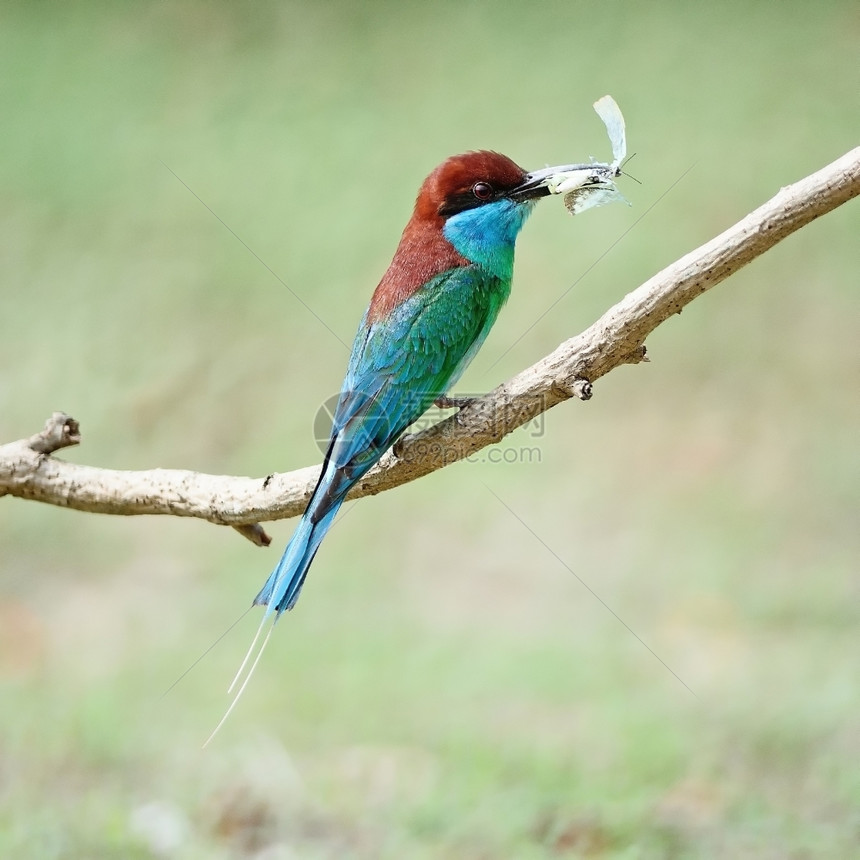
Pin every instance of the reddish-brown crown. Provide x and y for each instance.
(458, 175)
(424, 252)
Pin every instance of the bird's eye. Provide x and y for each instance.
(482, 190)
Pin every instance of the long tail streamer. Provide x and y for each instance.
(250, 671)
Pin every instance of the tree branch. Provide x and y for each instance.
(28, 471)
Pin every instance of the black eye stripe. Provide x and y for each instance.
(455, 203)
(480, 193)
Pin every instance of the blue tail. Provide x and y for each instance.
(282, 588)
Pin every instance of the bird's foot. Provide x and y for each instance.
(445, 402)
(397, 447)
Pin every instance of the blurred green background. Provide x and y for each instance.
(446, 687)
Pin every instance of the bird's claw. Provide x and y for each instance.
(397, 447)
(445, 402)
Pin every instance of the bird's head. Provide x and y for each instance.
(469, 210)
(480, 201)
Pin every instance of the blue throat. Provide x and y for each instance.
(487, 234)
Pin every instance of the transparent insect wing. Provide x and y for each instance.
(589, 197)
(587, 187)
(610, 113)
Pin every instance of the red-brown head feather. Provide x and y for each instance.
(458, 174)
(424, 252)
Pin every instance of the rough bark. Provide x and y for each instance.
(29, 470)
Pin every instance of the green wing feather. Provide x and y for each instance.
(401, 364)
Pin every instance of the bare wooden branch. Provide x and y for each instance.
(60, 431)
(28, 471)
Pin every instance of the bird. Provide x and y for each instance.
(428, 317)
